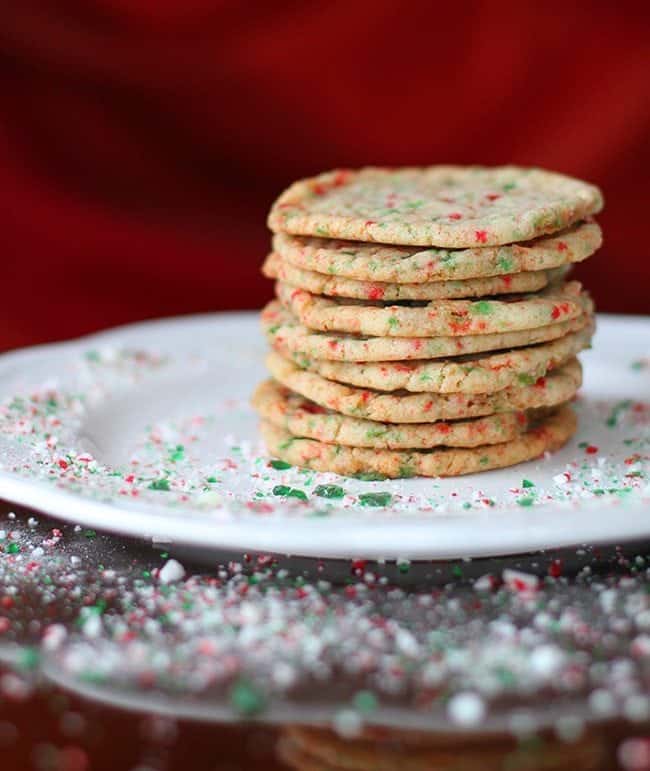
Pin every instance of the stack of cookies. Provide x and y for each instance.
(424, 324)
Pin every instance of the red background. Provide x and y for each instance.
(141, 143)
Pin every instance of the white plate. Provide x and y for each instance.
(88, 428)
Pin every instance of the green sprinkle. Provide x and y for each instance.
(525, 483)
(404, 566)
(178, 453)
(246, 699)
(506, 677)
(13, 548)
(159, 484)
(615, 414)
(375, 499)
(279, 465)
(295, 493)
(370, 476)
(467, 505)
(582, 445)
(90, 534)
(457, 571)
(406, 471)
(505, 264)
(329, 491)
(211, 480)
(281, 490)
(274, 329)
(374, 433)
(526, 502)
(393, 322)
(482, 307)
(92, 356)
(29, 658)
(525, 379)
(508, 187)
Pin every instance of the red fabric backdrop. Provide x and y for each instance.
(142, 143)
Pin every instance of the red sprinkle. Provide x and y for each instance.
(591, 449)
(340, 178)
(481, 236)
(376, 293)
(358, 566)
(313, 409)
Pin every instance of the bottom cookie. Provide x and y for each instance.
(549, 434)
(313, 749)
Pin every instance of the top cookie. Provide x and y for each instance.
(446, 206)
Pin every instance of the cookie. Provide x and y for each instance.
(549, 434)
(283, 330)
(320, 749)
(467, 374)
(335, 286)
(301, 417)
(558, 387)
(450, 206)
(408, 265)
(439, 318)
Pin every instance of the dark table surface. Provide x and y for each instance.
(106, 649)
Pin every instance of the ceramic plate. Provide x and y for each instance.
(146, 430)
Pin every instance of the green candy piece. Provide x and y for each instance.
(279, 465)
(375, 499)
(329, 491)
(289, 492)
(365, 701)
(159, 484)
(178, 453)
(246, 699)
